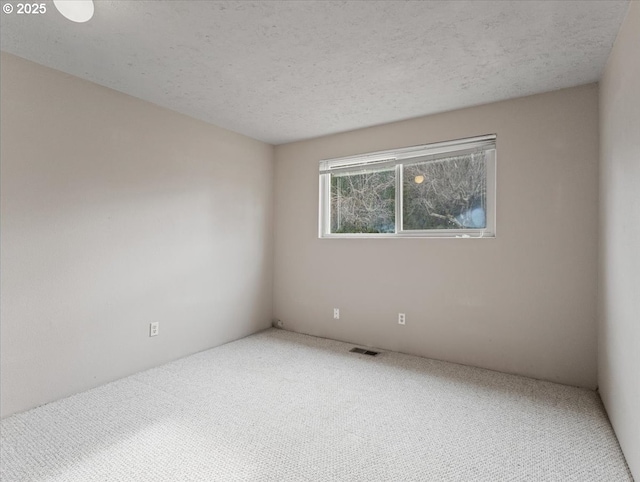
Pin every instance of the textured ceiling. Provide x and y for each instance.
(281, 71)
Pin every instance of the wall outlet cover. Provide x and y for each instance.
(154, 328)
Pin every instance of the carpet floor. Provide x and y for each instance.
(280, 406)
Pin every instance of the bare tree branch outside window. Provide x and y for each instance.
(445, 194)
(449, 193)
(363, 202)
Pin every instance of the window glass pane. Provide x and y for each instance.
(363, 201)
(449, 193)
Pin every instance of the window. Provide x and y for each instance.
(441, 190)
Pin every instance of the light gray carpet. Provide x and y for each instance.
(282, 406)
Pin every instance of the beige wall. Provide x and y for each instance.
(524, 302)
(619, 323)
(116, 213)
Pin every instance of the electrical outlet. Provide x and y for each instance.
(336, 313)
(401, 319)
(154, 328)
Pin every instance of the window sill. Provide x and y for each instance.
(409, 236)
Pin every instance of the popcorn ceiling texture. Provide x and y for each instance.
(281, 71)
(284, 406)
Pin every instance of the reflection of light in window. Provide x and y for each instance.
(419, 179)
(473, 218)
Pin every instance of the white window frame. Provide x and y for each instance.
(411, 155)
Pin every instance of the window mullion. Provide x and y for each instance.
(398, 220)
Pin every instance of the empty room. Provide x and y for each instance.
(320, 240)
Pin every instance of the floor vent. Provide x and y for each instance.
(362, 351)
